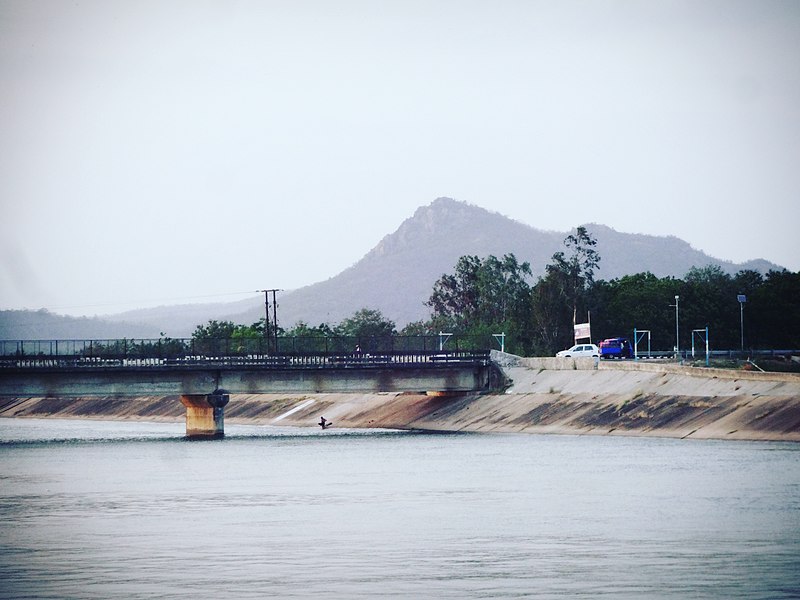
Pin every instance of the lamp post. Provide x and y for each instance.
(677, 328)
(742, 299)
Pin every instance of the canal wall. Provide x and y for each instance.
(548, 396)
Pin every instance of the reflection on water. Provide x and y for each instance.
(94, 510)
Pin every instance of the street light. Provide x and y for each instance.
(677, 329)
(742, 299)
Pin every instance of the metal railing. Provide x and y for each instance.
(299, 352)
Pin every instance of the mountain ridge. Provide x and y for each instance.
(398, 274)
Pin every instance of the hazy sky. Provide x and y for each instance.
(166, 152)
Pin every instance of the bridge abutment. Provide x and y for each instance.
(205, 414)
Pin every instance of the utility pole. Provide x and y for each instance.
(266, 312)
(274, 316)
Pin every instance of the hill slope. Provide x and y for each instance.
(397, 276)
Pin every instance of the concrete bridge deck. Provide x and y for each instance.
(545, 396)
(205, 384)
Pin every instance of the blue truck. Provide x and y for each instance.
(618, 347)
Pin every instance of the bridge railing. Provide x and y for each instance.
(289, 350)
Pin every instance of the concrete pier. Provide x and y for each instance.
(205, 414)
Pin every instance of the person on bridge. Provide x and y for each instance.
(324, 423)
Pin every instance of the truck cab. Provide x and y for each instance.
(618, 347)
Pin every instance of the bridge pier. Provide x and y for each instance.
(205, 414)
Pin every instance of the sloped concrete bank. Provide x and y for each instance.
(544, 396)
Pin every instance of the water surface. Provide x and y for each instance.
(133, 510)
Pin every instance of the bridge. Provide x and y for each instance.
(204, 373)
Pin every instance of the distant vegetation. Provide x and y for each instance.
(491, 295)
(364, 323)
(538, 318)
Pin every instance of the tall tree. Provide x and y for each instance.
(482, 294)
(366, 322)
(551, 314)
(214, 330)
(454, 300)
(578, 267)
(773, 313)
(640, 301)
(303, 329)
(708, 300)
(557, 296)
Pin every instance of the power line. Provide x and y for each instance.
(140, 301)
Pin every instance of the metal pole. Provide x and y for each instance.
(742, 299)
(677, 328)
(266, 315)
(741, 322)
(275, 318)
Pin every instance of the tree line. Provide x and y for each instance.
(491, 295)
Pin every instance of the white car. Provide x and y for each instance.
(580, 350)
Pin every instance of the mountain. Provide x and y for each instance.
(397, 276)
(43, 324)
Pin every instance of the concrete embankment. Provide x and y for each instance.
(544, 396)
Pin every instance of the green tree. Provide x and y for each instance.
(214, 330)
(364, 323)
(454, 300)
(418, 328)
(303, 329)
(482, 295)
(772, 313)
(578, 268)
(558, 295)
(640, 301)
(747, 281)
(256, 330)
(551, 314)
(708, 299)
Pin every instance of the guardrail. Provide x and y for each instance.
(322, 352)
(720, 354)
